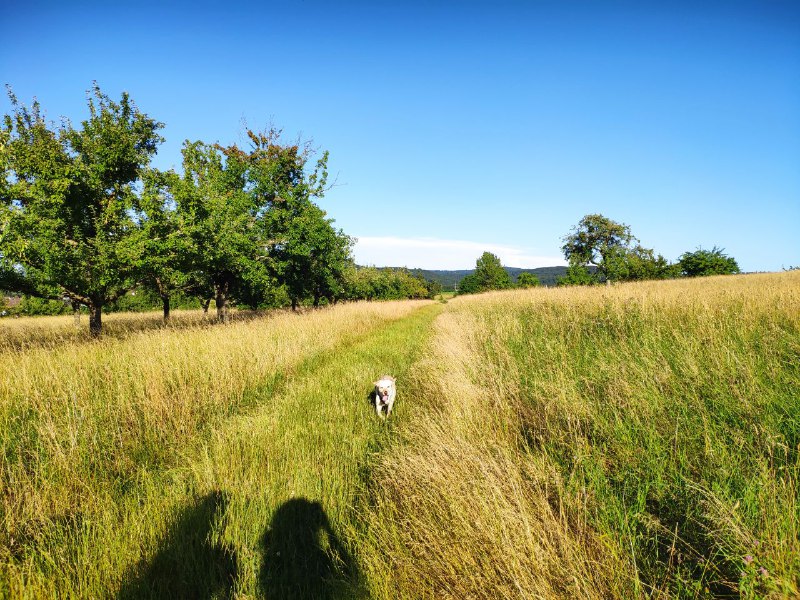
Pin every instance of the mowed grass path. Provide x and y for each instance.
(259, 505)
(292, 473)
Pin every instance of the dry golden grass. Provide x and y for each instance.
(81, 423)
(615, 442)
(630, 441)
(24, 333)
(462, 509)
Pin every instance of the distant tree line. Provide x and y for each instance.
(86, 219)
(600, 250)
(489, 274)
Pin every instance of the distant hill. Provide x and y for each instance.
(448, 279)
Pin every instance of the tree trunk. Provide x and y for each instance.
(76, 312)
(221, 300)
(165, 302)
(294, 303)
(316, 301)
(204, 304)
(95, 319)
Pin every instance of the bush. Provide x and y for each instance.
(32, 306)
(707, 262)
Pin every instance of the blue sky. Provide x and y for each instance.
(459, 127)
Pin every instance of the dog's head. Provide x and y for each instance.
(384, 385)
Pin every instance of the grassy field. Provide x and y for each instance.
(637, 441)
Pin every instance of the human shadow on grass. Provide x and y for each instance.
(188, 564)
(303, 558)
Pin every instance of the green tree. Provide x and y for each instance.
(163, 251)
(313, 256)
(490, 273)
(469, 285)
(577, 275)
(599, 249)
(66, 200)
(237, 208)
(433, 287)
(707, 262)
(638, 263)
(596, 241)
(526, 280)
(369, 283)
(219, 217)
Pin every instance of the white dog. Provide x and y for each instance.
(385, 392)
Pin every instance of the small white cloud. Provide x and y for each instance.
(434, 253)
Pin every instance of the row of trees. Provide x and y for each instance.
(83, 216)
(601, 250)
(358, 283)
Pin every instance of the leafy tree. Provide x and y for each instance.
(163, 252)
(313, 256)
(434, 287)
(594, 242)
(638, 263)
(490, 273)
(66, 200)
(369, 283)
(577, 275)
(599, 249)
(469, 285)
(707, 262)
(219, 217)
(34, 306)
(526, 280)
(237, 208)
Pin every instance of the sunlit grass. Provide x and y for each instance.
(23, 333)
(638, 440)
(91, 432)
(632, 441)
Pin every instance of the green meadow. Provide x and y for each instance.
(639, 440)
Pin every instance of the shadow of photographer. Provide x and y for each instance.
(188, 564)
(302, 557)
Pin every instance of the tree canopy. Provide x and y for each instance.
(526, 280)
(707, 262)
(594, 240)
(67, 199)
(489, 274)
(84, 217)
(601, 250)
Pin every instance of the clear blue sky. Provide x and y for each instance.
(456, 127)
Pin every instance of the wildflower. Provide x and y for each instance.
(763, 571)
(748, 559)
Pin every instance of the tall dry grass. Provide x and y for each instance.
(90, 431)
(25, 333)
(633, 441)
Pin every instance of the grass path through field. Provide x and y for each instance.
(265, 506)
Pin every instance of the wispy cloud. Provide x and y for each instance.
(435, 253)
